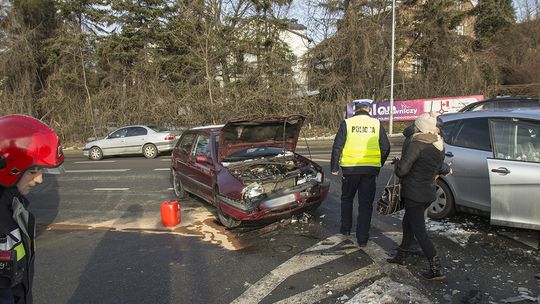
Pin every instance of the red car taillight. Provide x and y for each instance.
(169, 137)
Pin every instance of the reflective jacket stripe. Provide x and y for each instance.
(362, 144)
(21, 216)
(12, 239)
(14, 242)
(20, 251)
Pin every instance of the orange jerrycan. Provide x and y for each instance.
(170, 213)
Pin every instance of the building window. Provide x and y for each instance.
(460, 30)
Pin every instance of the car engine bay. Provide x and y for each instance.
(269, 174)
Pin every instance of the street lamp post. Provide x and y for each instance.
(391, 122)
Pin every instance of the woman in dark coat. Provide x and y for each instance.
(422, 160)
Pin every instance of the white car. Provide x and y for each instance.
(138, 139)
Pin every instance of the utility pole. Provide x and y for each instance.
(391, 122)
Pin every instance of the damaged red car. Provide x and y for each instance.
(248, 169)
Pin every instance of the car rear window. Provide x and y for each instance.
(158, 129)
(512, 104)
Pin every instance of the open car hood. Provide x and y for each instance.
(271, 131)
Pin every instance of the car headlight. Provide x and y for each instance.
(252, 190)
(309, 177)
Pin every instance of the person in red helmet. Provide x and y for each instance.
(27, 147)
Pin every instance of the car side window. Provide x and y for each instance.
(202, 147)
(136, 131)
(446, 130)
(119, 133)
(516, 140)
(474, 134)
(185, 143)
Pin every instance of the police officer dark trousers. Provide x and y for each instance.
(360, 148)
(27, 146)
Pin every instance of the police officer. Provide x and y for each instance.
(27, 147)
(360, 149)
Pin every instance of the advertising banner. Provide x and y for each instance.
(410, 109)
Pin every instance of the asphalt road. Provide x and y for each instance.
(100, 240)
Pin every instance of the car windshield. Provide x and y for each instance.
(158, 129)
(254, 153)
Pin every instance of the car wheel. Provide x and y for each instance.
(226, 220)
(444, 205)
(150, 151)
(95, 153)
(179, 190)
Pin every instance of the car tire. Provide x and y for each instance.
(150, 151)
(226, 220)
(178, 187)
(444, 204)
(95, 153)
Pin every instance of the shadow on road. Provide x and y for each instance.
(46, 198)
(125, 267)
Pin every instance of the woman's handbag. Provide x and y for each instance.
(390, 201)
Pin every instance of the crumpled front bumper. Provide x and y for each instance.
(279, 203)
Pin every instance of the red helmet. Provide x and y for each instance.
(26, 142)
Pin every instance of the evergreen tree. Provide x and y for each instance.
(26, 27)
(492, 16)
(129, 58)
(71, 59)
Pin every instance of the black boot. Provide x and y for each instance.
(399, 258)
(434, 272)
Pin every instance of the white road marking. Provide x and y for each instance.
(110, 189)
(311, 258)
(96, 170)
(165, 159)
(294, 265)
(337, 285)
(384, 290)
(94, 162)
(162, 169)
(170, 188)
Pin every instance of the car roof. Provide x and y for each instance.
(498, 99)
(524, 113)
(208, 128)
(144, 126)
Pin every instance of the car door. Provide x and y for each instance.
(135, 139)
(201, 171)
(115, 143)
(467, 152)
(181, 159)
(514, 173)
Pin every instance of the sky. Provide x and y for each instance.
(305, 10)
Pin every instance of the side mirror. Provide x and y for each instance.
(202, 159)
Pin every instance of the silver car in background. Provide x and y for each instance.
(495, 158)
(137, 139)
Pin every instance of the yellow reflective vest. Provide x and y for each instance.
(362, 144)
